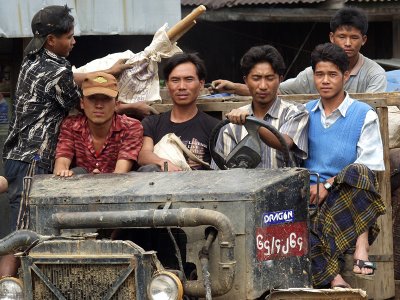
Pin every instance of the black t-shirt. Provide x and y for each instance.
(195, 133)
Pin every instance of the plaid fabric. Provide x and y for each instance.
(351, 208)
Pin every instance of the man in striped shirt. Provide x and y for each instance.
(100, 141)
(263, 68)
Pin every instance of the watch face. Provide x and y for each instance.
(327, 185)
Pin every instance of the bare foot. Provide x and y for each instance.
(361, 253)
(338, 281)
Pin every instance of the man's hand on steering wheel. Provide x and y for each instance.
(247, 153)
(237, 116)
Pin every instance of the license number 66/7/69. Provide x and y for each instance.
(283, 240)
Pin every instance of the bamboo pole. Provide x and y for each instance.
(185, 24)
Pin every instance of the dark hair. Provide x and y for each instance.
(331, 53)
(350, 16)
(66, 23)
(53, 19)
(182, 58)
(258, 54)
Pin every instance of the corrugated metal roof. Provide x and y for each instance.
(93, 17)
(215, 4)
(372, 1)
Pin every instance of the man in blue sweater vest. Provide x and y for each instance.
(345, 148)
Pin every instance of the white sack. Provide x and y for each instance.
(139, 83)
(167, 148)
(171, 147)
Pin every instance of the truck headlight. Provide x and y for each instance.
(11, 289)
(165, 286)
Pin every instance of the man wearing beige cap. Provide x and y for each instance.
(100, 141)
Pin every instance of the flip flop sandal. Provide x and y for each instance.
(365, 264)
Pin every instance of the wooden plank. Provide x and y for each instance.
(226, 106)
(207, 106)
(374, 102)
(318, 294)
(384, 186)
(392, 98)
(226, 103)
(383, 285)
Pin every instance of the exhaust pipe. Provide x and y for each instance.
(182, 217)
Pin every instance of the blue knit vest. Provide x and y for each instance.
(333, 148)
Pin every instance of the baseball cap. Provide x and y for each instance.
(100, 83)
(45, 21)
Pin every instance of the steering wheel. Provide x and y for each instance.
(247, 153)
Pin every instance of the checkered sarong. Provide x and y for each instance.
(351, 208)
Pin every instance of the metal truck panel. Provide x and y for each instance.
(267, 208)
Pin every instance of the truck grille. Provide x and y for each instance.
(86, 270)
(83, 282)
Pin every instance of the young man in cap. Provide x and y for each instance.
(46, 90)
(184, 74)
(348, 198)
(100, 141)
(349, 27)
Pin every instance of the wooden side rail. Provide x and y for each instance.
(391, 98)
(221, 106)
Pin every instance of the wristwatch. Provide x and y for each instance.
(327, 186)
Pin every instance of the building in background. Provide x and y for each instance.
(221, 36)
(295, 27)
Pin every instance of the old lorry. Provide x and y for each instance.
(228, 234)
(198, 234)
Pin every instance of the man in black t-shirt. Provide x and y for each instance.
(185, 77)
